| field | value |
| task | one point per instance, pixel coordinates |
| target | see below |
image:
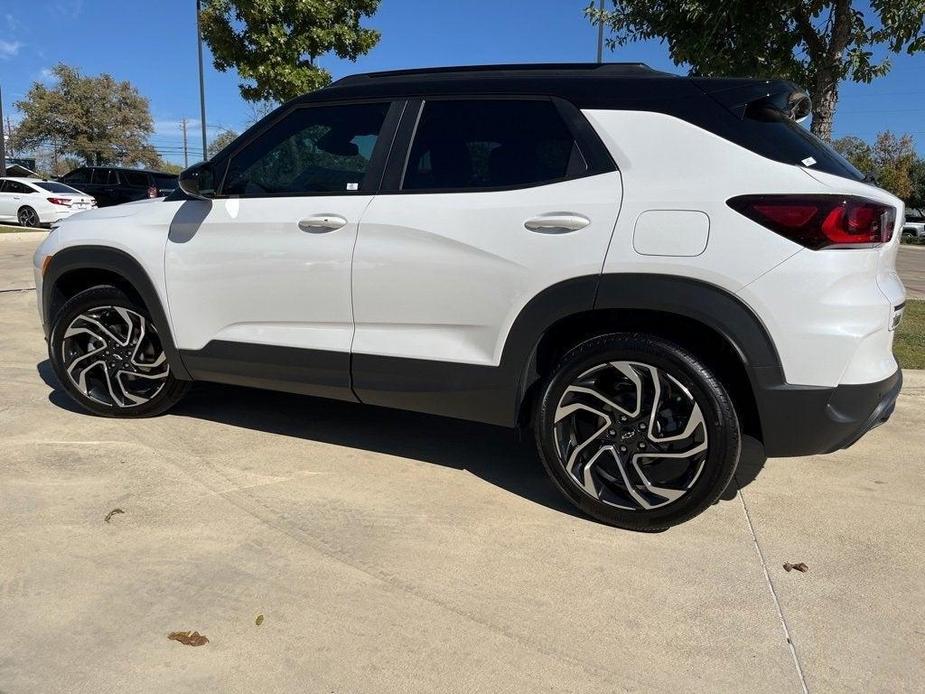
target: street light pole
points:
(2, 140)
(202, 84)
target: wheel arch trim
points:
(713, 307)
(118, 262)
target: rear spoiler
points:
(757, 99)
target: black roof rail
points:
(562, 69)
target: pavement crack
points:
(772, 591)
(17, 289)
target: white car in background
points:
(32, 201)
(914, 224)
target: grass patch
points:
(909, 345)
(10, 229)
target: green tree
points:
(274, 44)
(96, 119)
(168, 167)
(815, 43)
(917, 174)
(220, 141)
(858, 152)
(894, 158)
(891, 160)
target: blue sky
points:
(152, 43)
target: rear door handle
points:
(322, 223)
(558, 223)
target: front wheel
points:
(107, 353)
(637, 432)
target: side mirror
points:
(198, 181)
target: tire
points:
(615, 459)
(107, 356)
(27, 217)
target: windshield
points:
(915, 215)
(165, 182)
(55, 187)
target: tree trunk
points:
(825, 99)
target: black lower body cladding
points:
(806, 420)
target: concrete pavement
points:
(391, 551)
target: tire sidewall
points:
(724, 438)
(105, 296)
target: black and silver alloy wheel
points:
(113, 356)
(636, 431)
(108, 355)
(27, 217)
(630, 435)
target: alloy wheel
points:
(113, 356)
(630, 435)
(28, 217)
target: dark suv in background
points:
(112, 185)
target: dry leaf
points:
(801, 567)
(112, 513)
(188, 638)
(259, 619)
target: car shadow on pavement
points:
(491, 453)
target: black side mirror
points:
(198, 181)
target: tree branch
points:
(814, 43)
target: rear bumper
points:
(806, 420)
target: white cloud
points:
(9, 49)
(69, 8)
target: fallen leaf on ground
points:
(188, 638)
(259, 619)
(801, 567)
(112, 513)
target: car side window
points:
(318, 149)
(17, 187)
(78, 176)
(485, 144)
(138, 179)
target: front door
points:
(258, 279)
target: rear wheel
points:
(637, 432)
(108, 355)
(27, 217)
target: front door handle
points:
(558, 223)
(322, 223)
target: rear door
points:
(8, 205)
(487, 202)
(14, 195)
(134, 186)
(81, 179)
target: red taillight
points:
(820, 221)
(60, 201)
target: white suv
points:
(640, 267)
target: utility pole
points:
(185, 148)
(600, 36)
(2, 141)
(202, 84)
